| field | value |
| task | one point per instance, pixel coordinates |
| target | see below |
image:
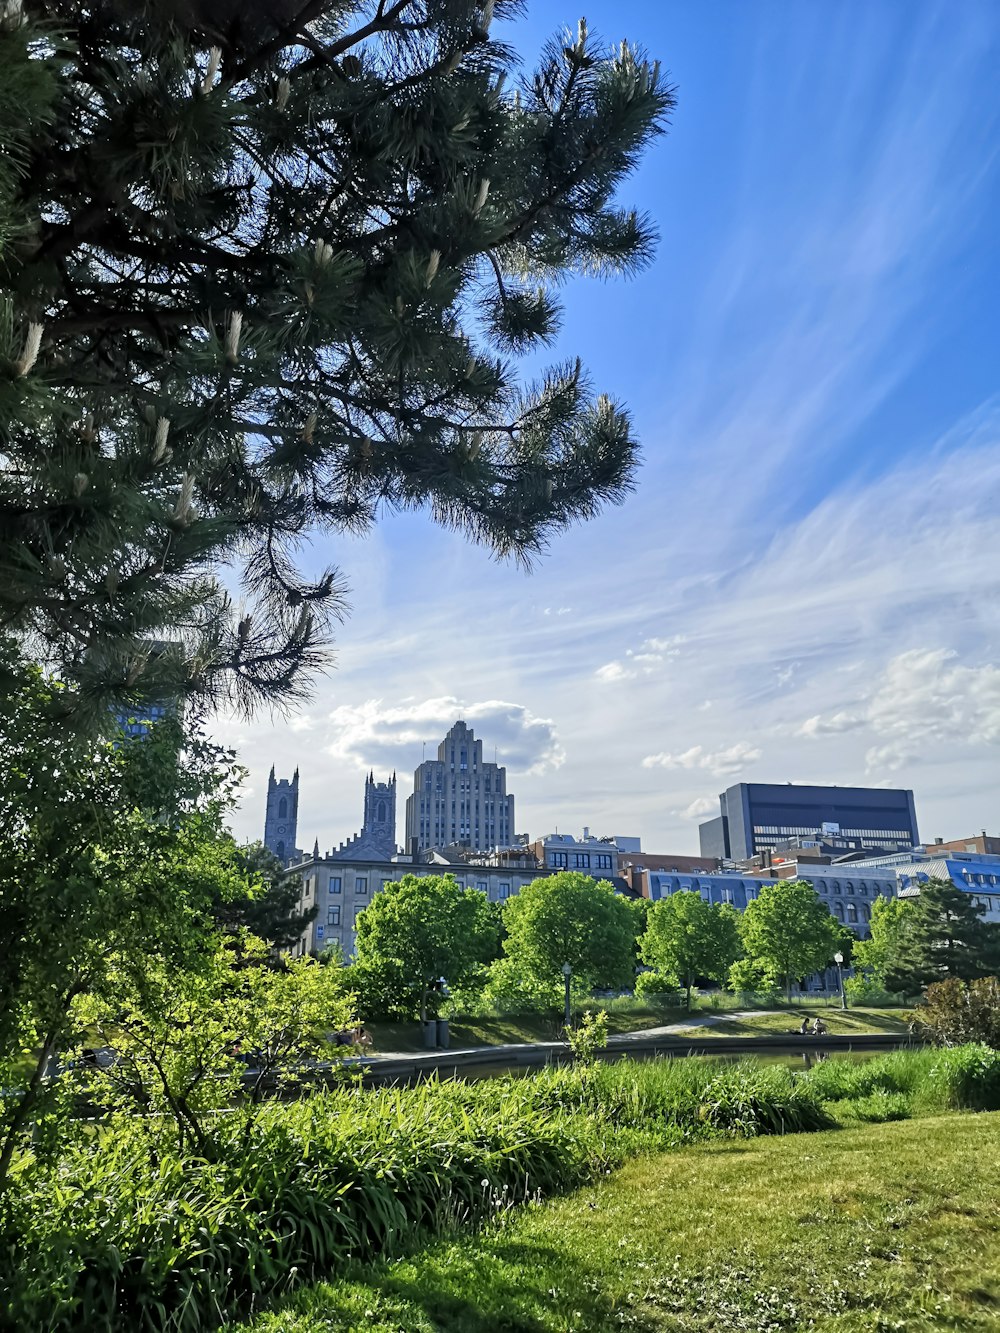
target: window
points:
(361, 884)
(852, 912)
(835, 885)
(604, 862)
(334, 884)
(504, 890)
(838, 911)
(283, 808)
(482, 885)
(558, 859)
(850, 886)
(333, 916)
(582, 860)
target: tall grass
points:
(125, 1236)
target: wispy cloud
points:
(720, 762)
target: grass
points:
(877, 1229)
(845, 1021)
(631, 1015)
(499, 1030)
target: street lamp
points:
(567, 972)
(838, 958)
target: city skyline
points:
(804, 585)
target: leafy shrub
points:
(590, 1037)
(657, 986)
(954, 1012)
(877, 1107)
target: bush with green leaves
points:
(660, 986)
(954, 1012)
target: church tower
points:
(281, 818)
(379, 827)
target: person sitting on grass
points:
(818, 1027)
(805, 1027)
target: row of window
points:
(581, 860)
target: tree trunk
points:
(26, 1105)
(689, 992)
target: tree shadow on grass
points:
(497, 1286)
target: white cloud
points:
(373, 734)
(720, 762)
(644, 661)
(699, 808)
(887, 758)
(922, 699)
(927, 695)
(829, 726)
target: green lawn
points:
(888, 1228)
(790, 1019)
(628, 1015)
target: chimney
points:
(938, 841)
(586, 833)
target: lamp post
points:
(567, 972)
(838, 958)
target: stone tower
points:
(281, 818)
(380, 813)
(377, 839)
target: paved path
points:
(691, 1024)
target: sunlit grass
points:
(880, 1228)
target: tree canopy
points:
(266, 270)
(569, 918)
(108, 852)
(688, 938)
(788, 931)
(944, 936)
(420, 929)
(871, 957)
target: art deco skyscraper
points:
(457, 798)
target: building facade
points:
(974, 873)
(458, 800)
(562, 851)
(343, 889)
(755, 816)
(281, 816)
(847, 895)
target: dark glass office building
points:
(754, 816)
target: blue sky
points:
(805, 585)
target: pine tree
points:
(944, 936)
(265, 270)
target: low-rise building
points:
(562, 851)
(847, 895)
(973, 873)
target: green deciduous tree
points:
(190, 1042)
(416, 931)
(788, 932)
(106, 851)
(871, 956)
(265, 269)
(944, 936)
(570, 918)
(689, 938)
